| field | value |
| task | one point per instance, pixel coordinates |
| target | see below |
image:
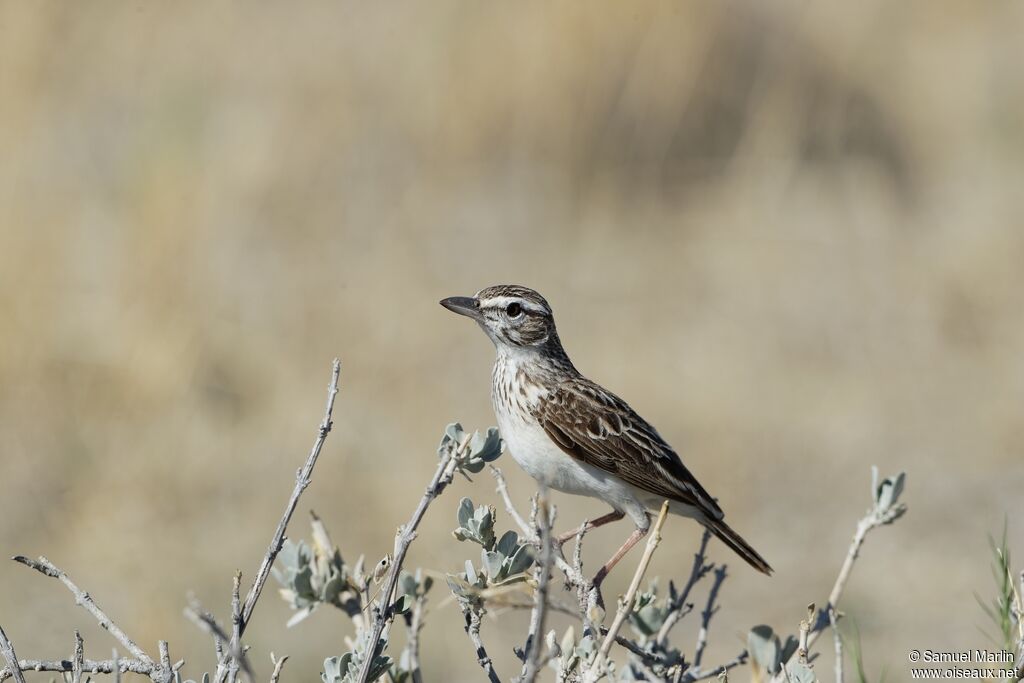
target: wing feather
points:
(595, 426)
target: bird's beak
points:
(463, 305)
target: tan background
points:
(790, 237)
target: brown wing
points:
(597, 427)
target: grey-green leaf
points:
(507, 543)
(801, 673)
(492, 562)
(465, 512)
(521, 561)
(763, 645)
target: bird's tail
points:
(732, 539)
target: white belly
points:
(534, 451)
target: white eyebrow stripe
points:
(503, 301)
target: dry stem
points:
(384, 611)
(11, 657)
(626, 605)
(532, 650)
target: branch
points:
(108, 666)
(384, 611)
(44, 566)
(680, 608)
(278, 663)
(880, 514)
(585, 592)
(209, 624)
(241, 615)
(206, 623)
(301, 482)
(648, 658)
(709, 611)
(79, 660)
(533, 647)
(473, 631)
(502, 489)
(412, 644)
(833, 617)
(11, 657)
(626, 605)
(695, 674)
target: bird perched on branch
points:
(574, 435)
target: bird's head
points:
(513, 317)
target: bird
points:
(573, 435)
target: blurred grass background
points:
(789, 234)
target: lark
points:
(575, 436)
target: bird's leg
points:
(613, 516)
(633, 539)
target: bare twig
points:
(510, 507)
(705, 617)
(875, 517)
(237, 650)
(117, 667)
(236, 608)
(412, 644)
(837, 639)
(302, 480)
(863, 527)
(534, 637)
(108, 666)
(586, 594)
(574, 576)
(649, 658)
(11, 657)
(207, 623)
(165, 655)
(473, 631)
(626, 605)
(384, 612)
(680, 607)
(278, 663)
(44, 566)
(499, 602)
(696, 674)
(241, 615)
(805, 626)
(77, 663)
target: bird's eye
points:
(513, 310)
